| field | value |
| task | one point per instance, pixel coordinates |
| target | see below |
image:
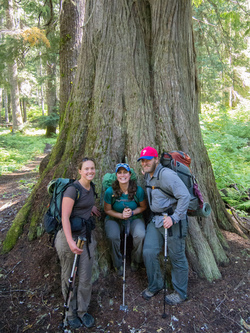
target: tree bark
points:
(136, 85)
(24, 109)
(1, 103)
(40, 91)
(71, 30)
(51, 94)
(17, 120)
(6, 106)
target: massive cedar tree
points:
(136, 85)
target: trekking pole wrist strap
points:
(173, 220)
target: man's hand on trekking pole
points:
(167, 222)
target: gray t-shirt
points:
(84, 204)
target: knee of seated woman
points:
(139, 234)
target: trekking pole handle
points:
(80, 242)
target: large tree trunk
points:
(136, 85)
(71, 30)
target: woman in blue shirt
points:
(124, 202)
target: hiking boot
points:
(134, 266)
(174, 299)
(119, 270)
(146, 294)
(75, 323)
(88, 320)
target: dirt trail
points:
(14, 190)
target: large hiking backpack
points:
(180, 163)
(56, 188)
(107, 181)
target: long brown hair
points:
(132, 188)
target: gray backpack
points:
(179, 162)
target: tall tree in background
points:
(51, 95)
(6, 106)
(1, 103)
(40, 89)
(17, 120)
(71, 30)
(51, 67)
(136, 85)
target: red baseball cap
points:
(148, 153)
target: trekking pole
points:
(123, 306)
(165, 269)
(80, 243)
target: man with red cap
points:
(168, 199)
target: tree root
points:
(239, 220)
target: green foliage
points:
(46, 121)
(196, 3)
(244, 206)
(20, 148)
(220, 30)
(34, 112)
(226, 136)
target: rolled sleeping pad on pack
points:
(205, 211)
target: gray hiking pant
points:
(82, 292)
(153, 245)
(113, 231)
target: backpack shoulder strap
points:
(78, 191)
(113, 199)
(164, 191)
(93, 187)
(136, 200)
(158, 186)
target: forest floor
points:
(31, 300)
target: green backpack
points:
(56, 188)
